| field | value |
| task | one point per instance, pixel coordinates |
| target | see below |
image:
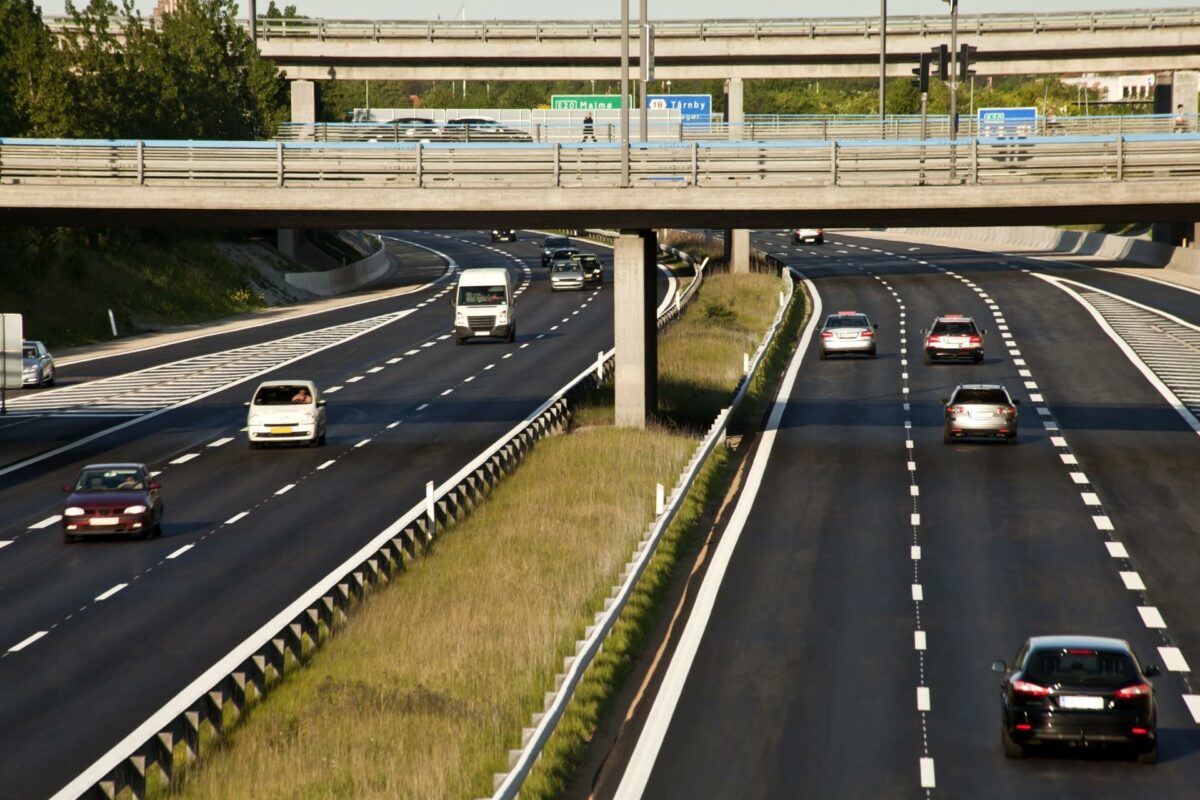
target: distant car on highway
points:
(552, 243)
(593, 270)
(504, 235)
(482, 129)
(37, 365)
(980, 409)
(953, 337)
(1082, 691)
(286, 412)
(484, 305)
(112, 498)
(848, 333)
(566, 275)
(562, 256)
(814, 235)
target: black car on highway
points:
(552, 243)
(1078, 691)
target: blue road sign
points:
(1000, 122)
(694, 109)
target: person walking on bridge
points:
(589, 127)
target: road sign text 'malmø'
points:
(584, 102)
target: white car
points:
(286, 412)
(814, 235)
(37, 365)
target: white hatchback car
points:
(288, 412)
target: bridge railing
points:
(484, 30)
(529, 165)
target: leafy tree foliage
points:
(33, 100)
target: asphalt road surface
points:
(879, 571)
(95, 636)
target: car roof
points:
(1081, 642)
(117, 465)
(297, 382)
(979, 386)
(953, 318)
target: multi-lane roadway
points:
(840, 643)
(95, 636)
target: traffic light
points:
(941, 57)
(966, 54)
(921, 81)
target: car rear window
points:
(992, 397)
(955, 328)
(856, 321)
(1097, 667)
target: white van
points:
(291, 412)
(484, 305)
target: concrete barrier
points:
(349, 278)
(1054, 240)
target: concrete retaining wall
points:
(354, 276)
(1102, 245)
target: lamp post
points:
(624, 93)
(643, 123)
(953, 69)
(882, 63)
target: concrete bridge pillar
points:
(734, 113)
(635, 264)
(288, 241)
(737, 249)
(304, 101)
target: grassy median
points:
(427, 687)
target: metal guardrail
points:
(933, 162)
(761, 127)
(249, 669)
(481, 30)
(508, 785)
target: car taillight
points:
(1024, 726)
(826, 334)
(866, 334)
(1138, 731)
(933, 339)
(1130, 692)
(975, 340)
(1007, 410)
(1030, 689)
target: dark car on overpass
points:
(1081, 691)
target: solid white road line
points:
(185, 458)
(21, 645)
(181, 551)
(46, 523)
(1152, 617)
(641, 762)
(110, 592)
(224, 440)
(241, 515)
(1173, 659)
(927, 779)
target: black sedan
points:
(113, 498)
(1078, 691)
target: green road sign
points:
(585, 102)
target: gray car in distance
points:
(980, 409)
(37, 365)
(848, 333)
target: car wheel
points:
(50, 378)
(512, 335)
(819, 240)
(871, 354)
(977, 358)
(1011, 748)
(928, 358)
(946, 437)
(1012, 439)
(69, 538)
(824, 356)
(1148, 756)
(157, 532)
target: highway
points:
(97, 635)
(840, 643)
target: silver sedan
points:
(848, 332)
(37, 365)
(980, 409)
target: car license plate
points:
(482, 333)
(104, 520)
(845, 335)
(981, 415)
(281, 429)
(1081, 702)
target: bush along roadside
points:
(418, 694)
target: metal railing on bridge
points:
(940, 162)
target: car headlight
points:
(138, 509)
(501, 317)
(460, 318)
(309, 417)
(254, 419)
(73, 511)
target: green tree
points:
(288, 12)
(33, 98)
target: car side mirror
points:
(155, 486)
(999, 666)
(321, 402)
(66, 487)
(1150, 671)
(246, 404)
(875, 326)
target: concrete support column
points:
(737, 249)
(288, 241)
(635, 259)
(304, 101)
(734, 113)
(1184, 89)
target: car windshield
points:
(1098, 667)
(125, 479)
(282, 395)
(481, 295)
(564, 253)
(955, 328)
(591, 262)
(29, 352)
(854, 321)
(556, 242)
(990, 397)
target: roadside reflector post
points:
(112, 321)
(745, 362)
(430, 508)
(659, 500)
(599, 366)
(782, 299)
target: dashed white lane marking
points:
(553, 327)
(489, 366)
(923, 698)
(224, 440)
(468, 380)
(446, 392)
(918, 593)
(328, 464)
(912, 466)
(333, 389)
(915, 552)
(522, 347)
(355, 379)
(21, 645)
(1102, 523)
(1089, 499)
(243, 514)
(443, 337)
(915, 519)
(1079, 477)
(914, 491)
(1173, 659)
(5, 543)
(1133, 581)
(411, 352)
(507, 355)
(286, 489)
(423, 406)
(180, 551)
(1067, 458)
(185, 458)
(362, 443)
(927, 777)
(1193, 705)
(110, 592)
(1117, 550)
(395, 360)
(1152, 617)
(918, 639)
(46, 523)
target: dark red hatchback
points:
(113, 498)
